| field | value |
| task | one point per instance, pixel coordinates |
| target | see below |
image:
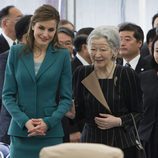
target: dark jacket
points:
(4, 115)
(4, 46)
(123, 95)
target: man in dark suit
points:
(8, 18)
(21, 28)
(132, 38)
(4, 115)
(82, 56)
(80, 43)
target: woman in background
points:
(148, 128)
(34, 72)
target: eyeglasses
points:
(66, 43)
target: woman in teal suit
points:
(34, 74)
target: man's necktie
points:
(127, 65)
(14, 43)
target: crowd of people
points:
(60, 85)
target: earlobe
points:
(140, 44)
(84, 46)
(4, 22)
(115, 54)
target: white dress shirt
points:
(133, 62)
(82, 60)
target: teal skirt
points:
(30, 147)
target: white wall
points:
(93, 13)
(109, 12)
(27, 6)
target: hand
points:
(107, 121)
(71, 114)
(38, 128)
(75, 137)
(30, 125)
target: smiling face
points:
(44, 32)
(101, 53)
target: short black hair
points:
(84, 31)
(5, 12)
(21, 27)
(153, 19)
(79, 41)
(151, 34)
(138, 32)
(66, 31)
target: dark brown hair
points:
(43, 13)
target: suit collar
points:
(82, 60)
(4, 43)
(47, 62)
(8, 39)
(133, 62)
(29, 63)
(92, 84)
(141, 65)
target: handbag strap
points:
(135, 128)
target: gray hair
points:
(110, 33)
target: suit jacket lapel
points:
(92, 84)
(140, 65)
(4, 43)
(29, 63)
(47, 62)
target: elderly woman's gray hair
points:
(110, 33)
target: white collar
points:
(82, 60)
(8, 39)
(133, 62)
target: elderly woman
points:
(107, 95)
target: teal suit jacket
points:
(26, 95)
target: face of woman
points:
(101, 53)
(44, 32)
(156, 51)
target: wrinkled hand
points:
(36, 127)
(107, 121)
(75, 137)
